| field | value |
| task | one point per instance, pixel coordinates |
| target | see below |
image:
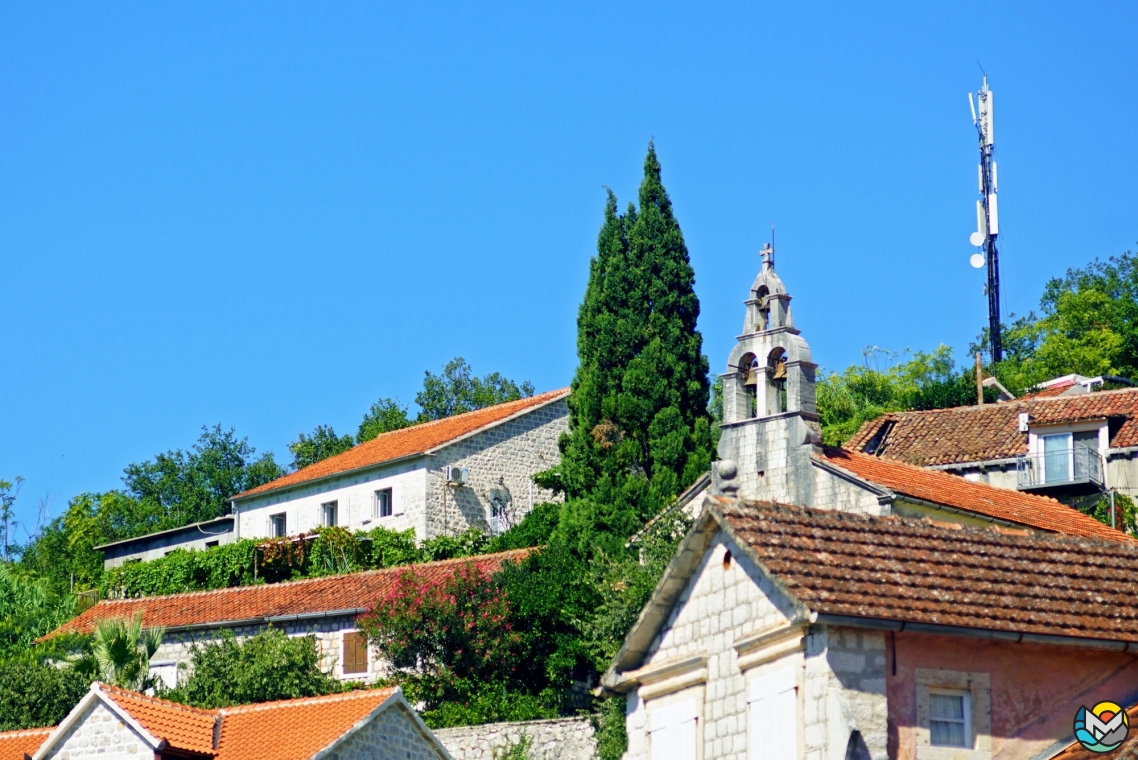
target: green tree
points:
(385, 415)
(457, 389)
(9, 490)
(639, 430)
(120, 653)
(37, 694)
(323, 443)
(262, 668)
(28, 609)
(196, 485)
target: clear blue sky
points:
(268, 215)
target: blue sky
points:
(269, 214)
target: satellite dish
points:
(976, 239)
(977, 261)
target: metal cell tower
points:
(987, 212)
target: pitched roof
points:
(991, 431)
(291, 729)
(181, 726)
(954, 491)
(417, 439)
(888, 571)
(16, 745)
(294, 728)
(339, 593)
(905, 570)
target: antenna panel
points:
(993, 215)
(980, 177)
(995, 185)
(991, 112)
(972, 105)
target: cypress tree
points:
(638, 426)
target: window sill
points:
(952, 753)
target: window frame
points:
(283, 517)
(390, 498)
(664, 719)
(978, 686)
(966, 712)
(333, 508)
(359, 637)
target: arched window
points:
(764, 320)
(776, 379)
(751, 374)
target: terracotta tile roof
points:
(295, 728)
(980, 433)
(894, 569)
(1051, 391)
(315, 595)
(954, 491)
(16, 745)
(417, 439)
(183, 727)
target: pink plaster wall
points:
(1036, 688)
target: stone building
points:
(787, 633)
(771, 444)
(1068, 441)
(438, 478)
(115, 724)
(323, 607)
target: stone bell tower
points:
(770, 422)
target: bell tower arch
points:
(770, 419)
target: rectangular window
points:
(166, 673)
(772, 717)
(355, 652)
(278, 526)
(211, 544)
(950, 719)
(1057, 458)
(383, 506)
(672, 732)
(330, 509)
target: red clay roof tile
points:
(295, 728)
(954, 491)
(889, 568)
(229, 605)
(183, 727)
(984, 433)
(16, 745)
(417, 439)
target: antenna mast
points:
(987, 212)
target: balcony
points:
(1064, 472)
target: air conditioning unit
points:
(458, 476)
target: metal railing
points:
(1081, 464)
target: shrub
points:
(262, 668)
(34, 694)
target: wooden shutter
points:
(772, 716)
(355, 652)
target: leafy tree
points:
(323, 443)
(195, 485)
(37, 694)
(457, 389)
(385, 415)
(9, 490)
(120, 653)
(639, 430)
(28, 609)
(262, 668)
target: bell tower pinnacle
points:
(770, 420)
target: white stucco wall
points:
(504, 457)
(840, 678)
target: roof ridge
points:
(318, 579)
(111, 690)
(18, 732)
(342, 696)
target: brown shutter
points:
(355, 652)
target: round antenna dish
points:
(976, 239)
(977, 261)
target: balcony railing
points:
(1080, 466)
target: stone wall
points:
(845, 691)
(562, 739)
(100, 733)
(501, 461)
(177, 646)
(394, 733)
